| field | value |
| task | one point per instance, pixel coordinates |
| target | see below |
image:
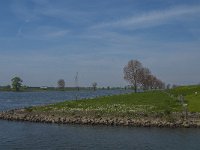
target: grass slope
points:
(146, 103)
(185, 90)
(191, 98)
(193, 103)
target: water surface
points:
(24, 135)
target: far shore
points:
(49, 89)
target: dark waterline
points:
(25, 135)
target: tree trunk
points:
(135, 87)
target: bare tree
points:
(160, 84)
(168, 86)
(155, 83)
(139, 76)
(174, 86)
(61, 84)
(132, 72)
(94, 85)
(144, 78)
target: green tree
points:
(16, 83)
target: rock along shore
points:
(23, 115)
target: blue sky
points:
(45, 40)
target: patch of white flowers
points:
(123, 108)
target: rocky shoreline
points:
(193, 120)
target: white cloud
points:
(42, 8)
(20, 10)
(42, 32)
(152, 18)
(57, 34)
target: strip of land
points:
(148, 109)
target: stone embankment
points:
(23, 115)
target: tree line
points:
(17, 85)
(134, 72)
(139, 76)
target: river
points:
(26, 135)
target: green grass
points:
(188, 92)
(193, 102)
(185, 90)
(119, 105)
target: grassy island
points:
(153, 108)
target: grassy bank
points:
(185, 90)
(192, 99)
(129, 105)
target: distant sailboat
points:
(76, 85)
(76, 81)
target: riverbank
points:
(175, 120)
(148, 109)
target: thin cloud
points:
(44, 8)
(57, 34)
(43, 32)
(152, 18)
(20, 10)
